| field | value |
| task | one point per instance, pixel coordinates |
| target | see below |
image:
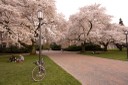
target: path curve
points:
(91, 70)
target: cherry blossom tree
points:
(104, 36)
(87, 20)
(109, 34)
(62, 26)
(118, 35)
(19, 19)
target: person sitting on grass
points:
(20, 59)
(12, 58)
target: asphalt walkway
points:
(91, 70)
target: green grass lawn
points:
(111, 54)
(12, 73)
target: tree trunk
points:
(33, 48)
(83, 47)
(105, 47)
(119, 46)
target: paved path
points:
(92, 70)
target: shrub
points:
(54, 46)
(73, 48)
(92, 47)
(14, 49)
(88, 47)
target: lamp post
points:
(126, 33)
(40, 17)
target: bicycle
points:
(38, 72)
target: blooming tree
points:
(118, 35)
(88, 20)
(62, 26)
(19, 19)
(104, 36)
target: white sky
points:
(116, 8)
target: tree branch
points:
(90, 27)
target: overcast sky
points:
(116, 8)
